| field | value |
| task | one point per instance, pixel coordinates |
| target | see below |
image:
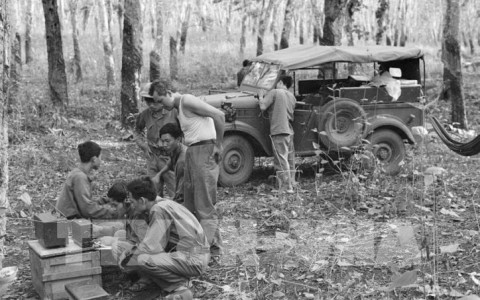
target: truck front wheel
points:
(237, 163)
(389, 149)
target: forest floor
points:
(349, 235)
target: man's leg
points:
(171, 270)
(154, 165)
(204, 172)
(280, 144)
(291, 158)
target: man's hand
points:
(122, 258)
(156, 179)
(145, 149)
(121, 209)
(217, 153)
(261, 94)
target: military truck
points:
(341, 100)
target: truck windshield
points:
(261, 75)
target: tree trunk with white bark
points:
(5, 38)
(107, 46)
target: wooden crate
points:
(52, 269)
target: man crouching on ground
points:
(174, 249)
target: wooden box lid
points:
(85, 290)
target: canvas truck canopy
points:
(308, 56)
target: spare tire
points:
(342, 123)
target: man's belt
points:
(205, 142)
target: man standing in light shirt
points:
(203, 127)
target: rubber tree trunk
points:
(244, 29)
(287, 25)
(16, 58)
(77, 59)
(61, 13)
(131, 61)
(57, 78)
(401, 24)
(452, 67)
(274, 28)
(119, 10)
(201, 5)
(156, 52)
(332, 28)
(109, 7)
(262, 25)
(5, 38)
(228, 26)
(184, 31)
(318, 22)
(97, 22)
(173, 58)
(107, 46)
(28, 32)
(86, 15)
(352, 7)
(301, 38)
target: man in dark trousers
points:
(203, 127)
(280, 104)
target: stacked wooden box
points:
(52, 269)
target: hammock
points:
(465, 149)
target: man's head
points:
(89, 152)
(149, 100)
(161, 91)
(118, 192)
(170, 137)
(142, 191)
(286, 80)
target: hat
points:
(144, 90)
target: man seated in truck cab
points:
(384, 78)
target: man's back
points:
(66, 202)
(75, 199)
(195, 128)
(171, 223)
(281, 111)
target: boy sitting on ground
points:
(75, 200)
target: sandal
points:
(141, 285)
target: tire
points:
(389, 149)
(237, 161)
(344, 122)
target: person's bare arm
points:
(264, 101)
(201, 108)
(139, 137)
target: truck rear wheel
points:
(389, 149)
(237, 163)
